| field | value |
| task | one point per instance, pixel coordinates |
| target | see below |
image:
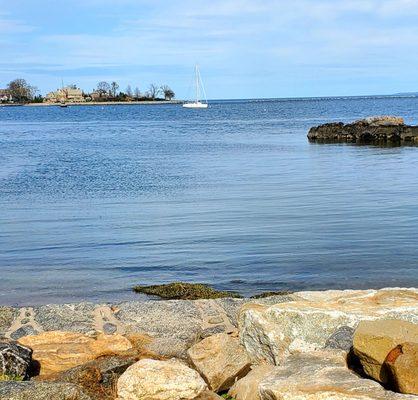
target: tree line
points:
(20, 91)
(154, 92)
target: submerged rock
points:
(160, 380)
(15, 360)
(184, 291)
(379, 344)
(220, 359)
(271, 333)
(386, 129)
(58, 351)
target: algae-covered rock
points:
(184, 291)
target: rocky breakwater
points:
(337, 345)
(377, 130)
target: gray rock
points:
(231, 308)
(341, 339)
(174, 325)
(213, 330)
(25, 321)
(41, 391)
(109, 328)
(7, 315)
(15, 359)
(23, 331)
(66, 317)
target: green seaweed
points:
(184, 291)
(7, 377)
(270, 294)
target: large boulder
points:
(208, 395)
(305, 324)
(57, 351)
(247, 387)
(220, 359)
(15, 359)
(402, 363)
(321, 375)
(41, 391)
(7, 315)
(98, 378)
(160, 380)
(374, 340)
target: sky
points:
(245, 48)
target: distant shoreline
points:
(97, 103)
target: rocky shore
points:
(375, 130)
(305, 345)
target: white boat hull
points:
(195, 105)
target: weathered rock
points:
(160, 380)
(247, 387)
(7, 315)
(402, 363)
(98, 378)
(220, 359)
(271, 333)
(383, 120)
(57, 351)
(369, 130)
(208, 395)
(23, 331)
(66, 317)
(374, 340)
(15, 359)
(174, 325)
(341, 339)
(41, 391)
(321, 375)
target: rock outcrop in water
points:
(373, 130)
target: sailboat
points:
(199, 89)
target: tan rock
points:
(374, 340)
(160, 380)
(220, 359)
(321, 375)
(247, 388)
(270, 333)
(402, 363)
(208, 395)
(57, 351)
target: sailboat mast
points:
(197, 83)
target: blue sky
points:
(245, 48)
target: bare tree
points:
(153, 91)
(167, 92)
(129, 91)
(137, 93)
(20, 90)
(114, 88)
(103, 88)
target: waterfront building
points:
(69, 94)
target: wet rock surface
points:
(378, 130)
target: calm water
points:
(96, 199)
